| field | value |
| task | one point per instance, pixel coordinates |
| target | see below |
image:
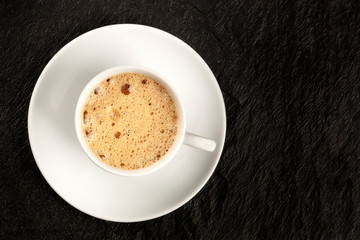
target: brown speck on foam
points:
(125, 89)
(85, 116)
(96, 91)
(88, 133)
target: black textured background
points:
(290, 75)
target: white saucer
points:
(64, 164)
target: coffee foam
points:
(129, 121)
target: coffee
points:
(129, 121)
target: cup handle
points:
(193, 140)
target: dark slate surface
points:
(290, 75)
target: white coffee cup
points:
(182, 137)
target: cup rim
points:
(170, 89)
